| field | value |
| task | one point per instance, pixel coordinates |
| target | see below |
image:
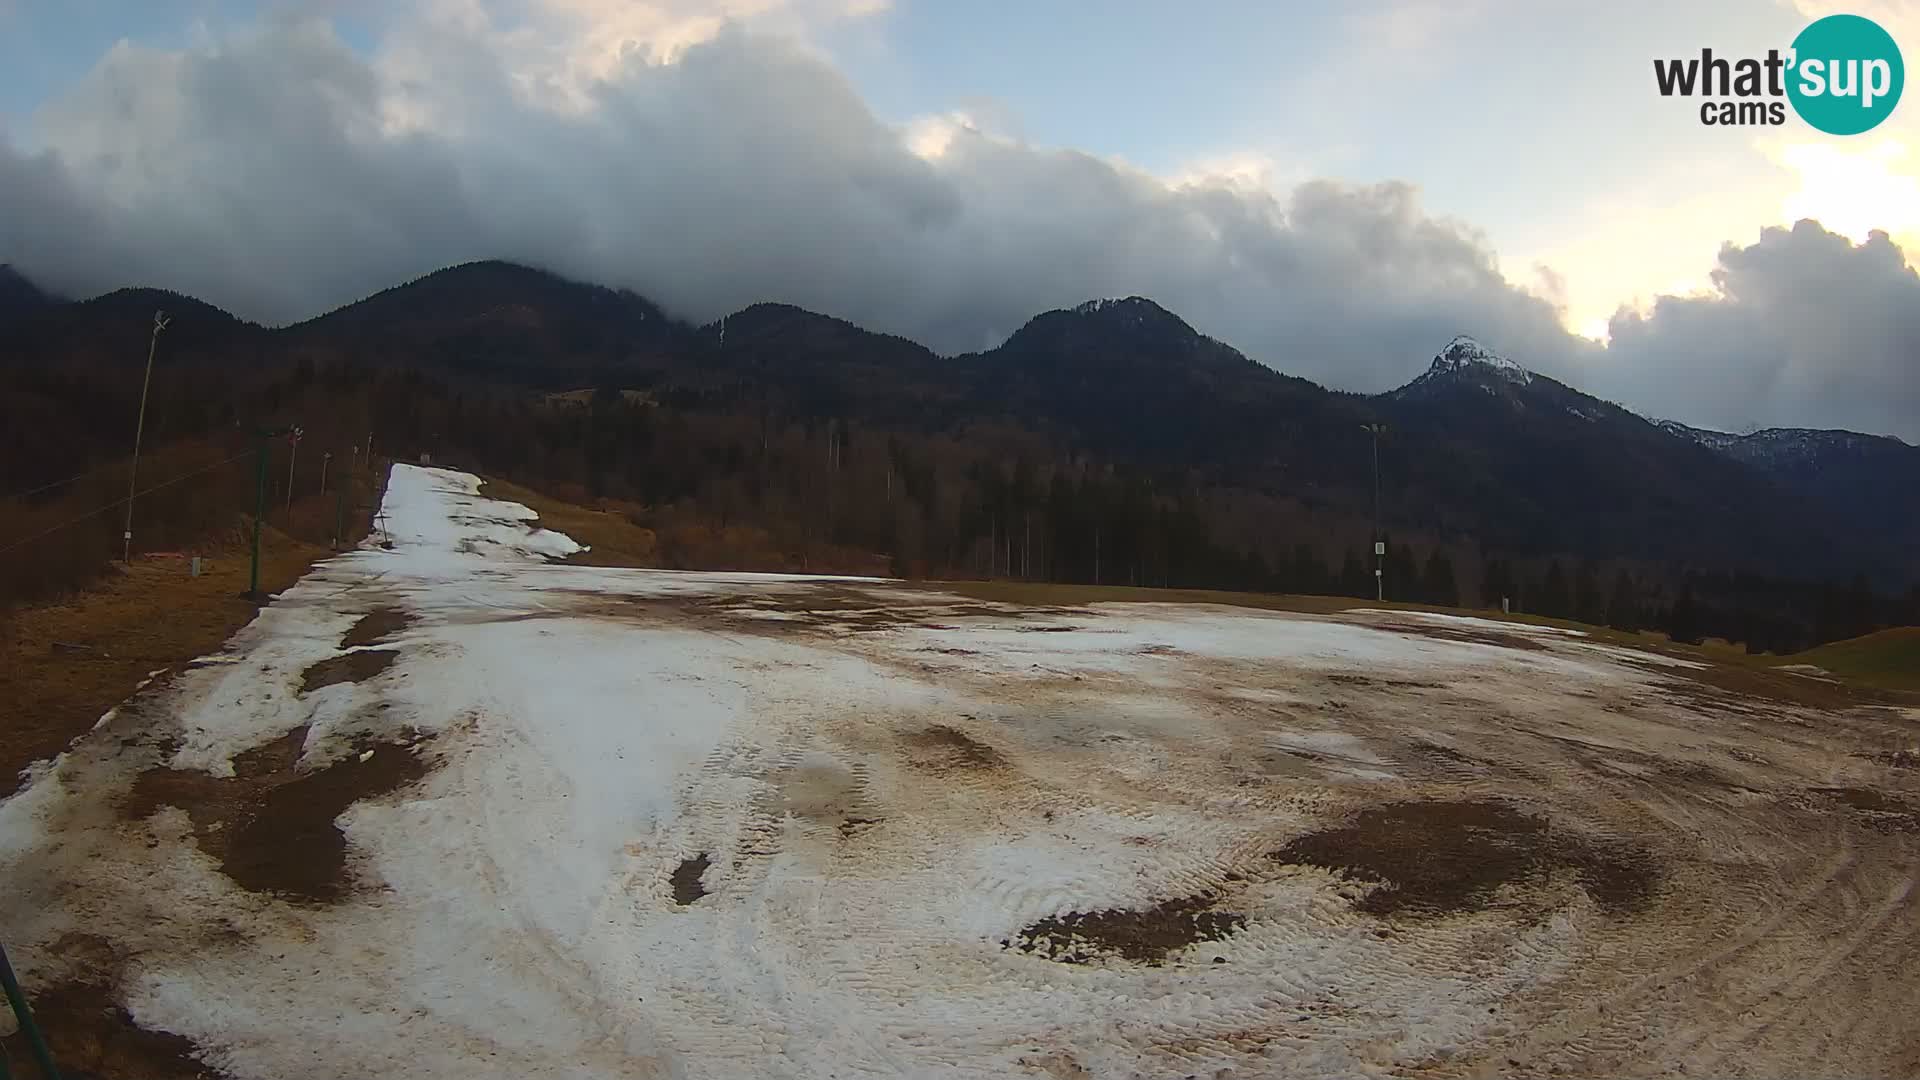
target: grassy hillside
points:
(66, 660)
(1889, 658)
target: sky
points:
(1336, 190)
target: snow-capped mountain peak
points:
(1464, 354)
(1466, 362)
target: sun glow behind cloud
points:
(1855, 189)
(1856, 186)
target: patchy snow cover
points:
(1463, 354)
(436, 517)
(1466, 360)
(1469, 620)
(746, 825)
(1712, 440)
(1782, 447)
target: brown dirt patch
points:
(948, 747)
(1435, 858)
(1029, 594)
(1370, 681)
(91, 1036)
(350, 667)
(1471, 637)
(853, 826)
(840, 608)
(686, 879)
(1695, 772)
(278, 756)
(1144, 936)
(1446, 756)
(376, 626)
(822, 791)
(270, 826)
(814, 610)
(1878, 810)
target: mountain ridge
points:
(1478, 446)
(1463, 352)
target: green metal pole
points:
(259, 510)
(25, 1015)
(339, 514)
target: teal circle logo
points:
(1846, 74)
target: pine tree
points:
(1586, 596)
(1440, 587)
(1496, 584)
(1860, 608)
(1309, 573)
(1552, 598)
(1355, 579)
(1623, 608)
(1683, 622)
(1403, 580)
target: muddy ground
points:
(706, 826)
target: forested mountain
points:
(1863, 485)
(18, 296)
(498, 321)
(1525, 462)
(1111, 442)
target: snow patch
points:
(1463, 355)
(517, 917)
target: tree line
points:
(734, 480)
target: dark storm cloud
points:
(264, 175)
(1804, 328)
(280, 174)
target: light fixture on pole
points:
(293, 451)
(139, 426)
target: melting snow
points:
(881, 804)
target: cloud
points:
(280, 173)
(267, 172)
(1854, 189)
(1802, 328)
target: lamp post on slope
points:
(1379, 545)
(139, 427)
(260, 438)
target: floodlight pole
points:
(139, 427)
(259, 503)
(1379, 547)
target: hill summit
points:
(1465, 356)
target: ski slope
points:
(590, 822)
